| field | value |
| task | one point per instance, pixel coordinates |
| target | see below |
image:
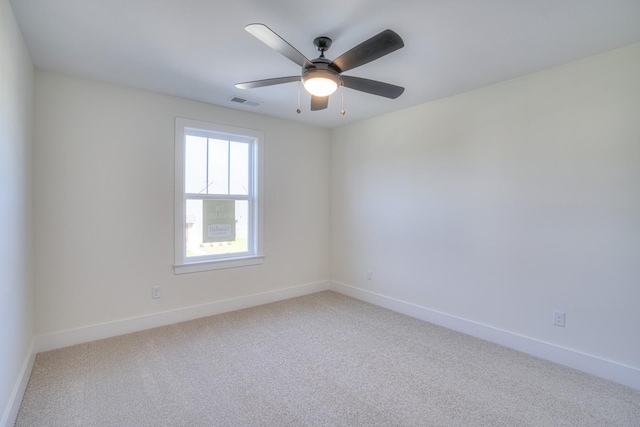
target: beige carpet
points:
(319, 360)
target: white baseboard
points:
(593, 365)
(11, 411)
(125, 326)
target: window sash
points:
(251, 238)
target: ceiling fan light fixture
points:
(320, 82)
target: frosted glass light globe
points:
(319, 82)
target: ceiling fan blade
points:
(274, 41)
(267, 82)
(373, 87)
(374, 48)
(319, 102)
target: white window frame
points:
(255, 255)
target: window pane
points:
(218, 166)
(239, 168)
(206, 236)
(195, 164)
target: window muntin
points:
(218, 202)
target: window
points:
(218, 205)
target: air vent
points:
(244, 101)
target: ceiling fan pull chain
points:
(342, 112)
(299, 110)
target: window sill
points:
(218, 264)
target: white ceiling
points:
(198, 49)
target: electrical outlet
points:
(558, 318)
(155, 292)
(369, 274)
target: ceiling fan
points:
(321, 77)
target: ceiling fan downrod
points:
(322, 44)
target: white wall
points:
(16, 249)
(503, 204)
(104, 204)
